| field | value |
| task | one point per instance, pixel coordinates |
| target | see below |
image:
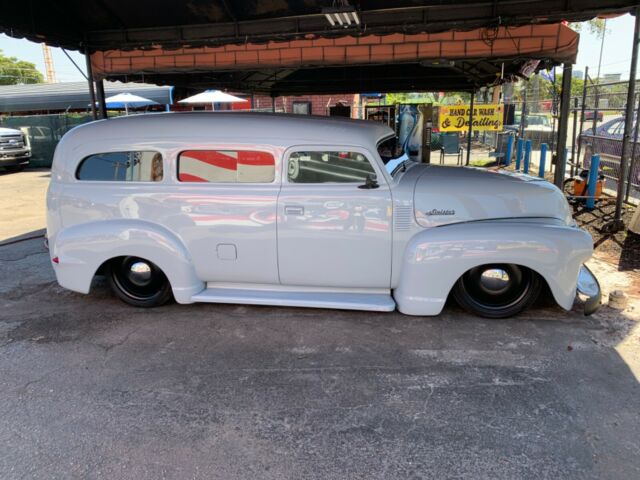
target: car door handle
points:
(293, 210)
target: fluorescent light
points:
(342, 16)
(331, 21)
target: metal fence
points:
(44, 132)
(600, 121)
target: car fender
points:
(81, 249)
(435, 258)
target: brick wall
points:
(319, 103)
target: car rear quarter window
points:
(133, 166)
(226, 166)
(328, 167)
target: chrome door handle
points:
(293, 210)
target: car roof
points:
(282, 130)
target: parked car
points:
(288, 210)
(538, 128)
(588, 115)
(607, 139)
(14, 150)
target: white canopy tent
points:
(212, 97)
(127, 100)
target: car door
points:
(333, 231)
(223, 207)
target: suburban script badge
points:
(436, 211)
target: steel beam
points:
(617, 223)
(563, 124)
(92, 92)
(102, 106)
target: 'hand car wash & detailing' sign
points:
(455, 118)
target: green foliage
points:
(14, 71)
(449, 98)
(596, 26)
(539, 88)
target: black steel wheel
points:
(138, 282)
(497, 290)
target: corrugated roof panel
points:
(71, 95)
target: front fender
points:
(81, 249)
(435, 258)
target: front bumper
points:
(588, 290)
(15, 157)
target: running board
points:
(376, 302)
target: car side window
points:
(132, 166)
(328, 167)
(226, 166)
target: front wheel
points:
(497, 290)
(138, 282)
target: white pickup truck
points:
(14, 149)
(302, 211)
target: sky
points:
(615, 59)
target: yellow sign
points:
(455, 118)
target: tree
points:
(597, 26)
(14, 71)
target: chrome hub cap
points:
(494, 280)
(140, 273)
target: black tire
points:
(148, 287)
(486, 292)
(15, 168)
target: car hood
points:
(9, 131)
(446, 195)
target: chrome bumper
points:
(588, 290)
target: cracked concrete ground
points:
(91, 388)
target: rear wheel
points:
(497, 290)
(138, 282)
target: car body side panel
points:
(435, 258)
(82, 248)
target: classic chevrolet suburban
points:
(14, 150)
(303, 211)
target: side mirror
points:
(370, 182)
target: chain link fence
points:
(600, 129)
(43, 132)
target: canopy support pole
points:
(563, 124)
(102, 106)
(92, 92)
(473, 94)
(617, 224)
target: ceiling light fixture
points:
(344, 15)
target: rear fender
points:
(81, 249)
(435, 258)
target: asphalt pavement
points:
(92, 388)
